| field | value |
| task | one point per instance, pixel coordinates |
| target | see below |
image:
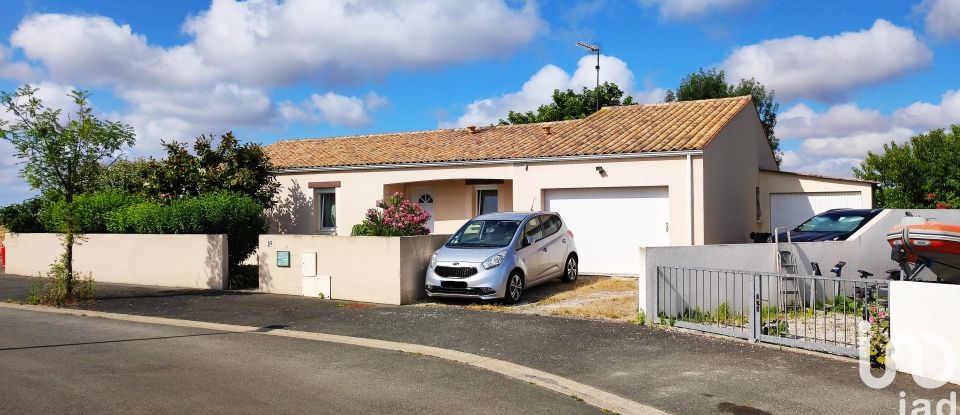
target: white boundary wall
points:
(182, 261)
(925, 329)
(386, 270)
(867, 249)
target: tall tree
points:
(571, 105)
(61, 157)
(212, 166)
(713, 84)
(921, 173)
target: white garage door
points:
(792, 209)
(609, 225)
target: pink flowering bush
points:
(394, 216)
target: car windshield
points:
(485, 234)
(832, 222)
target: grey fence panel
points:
(811, 312)
(715, 301)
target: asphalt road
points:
(64, 364)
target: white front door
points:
(424, 198)
(791, 209)
(610, 225)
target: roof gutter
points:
(658, 154)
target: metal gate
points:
(810, 312)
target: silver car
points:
(499, 255)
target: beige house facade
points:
(698, 172)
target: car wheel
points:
(514, 289)
(570, 270)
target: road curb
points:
(588, 394)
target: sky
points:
(849, 75)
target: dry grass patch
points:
(3, 233)
(616, 308)
(592, 297)
(584, 286)
(488, 307)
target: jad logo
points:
(914, 352)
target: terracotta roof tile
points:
(675, 126)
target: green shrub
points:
(90, 211)
(244, 277)
(23, 217)
(641, 318)
(53, 291)
(665, 319)
(240, 217)
(361, 229)
(776, 329)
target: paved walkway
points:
(673, 371)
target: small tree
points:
(713, 84)
(61, 158)
(923, 173)
(571, 105)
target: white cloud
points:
(95, 50)
(179, 114)
(854, 145)
(802, 121)
(925, 115)
(334, 109)
(942, 17)
(340, 40)
(834, 166)
(538, 90)
(535, 92)
(692, 9)
(829, 67)
(843, 134)
(237, 51)
(14, 70)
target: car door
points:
(553, 245)
(533, 256)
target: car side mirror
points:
(528, 240)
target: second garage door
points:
(609, 225)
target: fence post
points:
(655, 313)
(756, 314)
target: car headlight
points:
(433, 260)
(494, 260)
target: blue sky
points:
(849, 75)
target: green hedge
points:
(23, 217)
(90, 211)
(239, 217)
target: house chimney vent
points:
(546, 129)
(472, 129)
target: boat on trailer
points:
(919, 244)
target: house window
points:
(325, 209)
(486, 201)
